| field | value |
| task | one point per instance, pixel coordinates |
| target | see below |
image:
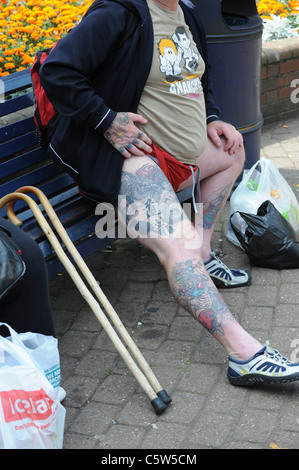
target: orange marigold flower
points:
(9, 66)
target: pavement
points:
(106, 409)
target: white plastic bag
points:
(31, 416)
(43, 350)
(263, 182)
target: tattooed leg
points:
(148, 205)
(218, 172)
(193, 290)
(145, 189)
(212, 206)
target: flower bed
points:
(281, 19)
(29, 25)
(284, 8)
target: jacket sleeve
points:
(212, 110)
(195, 24)
(67, 71)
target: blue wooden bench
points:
(23, 162)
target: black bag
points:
(268, 238)
(12, 266)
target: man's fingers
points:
(145, 138)
(125, 153)
(137, 148)
(234, 143)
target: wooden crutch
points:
(93, 284)
(157, 401)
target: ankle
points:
(206, 254)
(247, 352)
(238, 343)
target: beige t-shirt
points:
(173, 100)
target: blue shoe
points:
(267, 366)
(222, 276)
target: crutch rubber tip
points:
(164, 396)
(159, 405)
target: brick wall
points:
(280, 70)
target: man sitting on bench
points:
(137, 116)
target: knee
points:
(186, 246)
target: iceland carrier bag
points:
(31, 415)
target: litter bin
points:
(234, 34)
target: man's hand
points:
(126, 137)
(234, 139)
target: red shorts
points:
(175, 171)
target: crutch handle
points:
(10, 213)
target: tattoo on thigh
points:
(149, 198)
(212, 206)
(193, 290)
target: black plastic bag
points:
(268, 238)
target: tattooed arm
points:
(126, 137)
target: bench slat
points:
(32, 178)
(16, 104)
(21, 162)
(17, 128)
(18, 144)
(17, 81)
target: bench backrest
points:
(23, 162)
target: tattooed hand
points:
(126, 137)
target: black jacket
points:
(95, 72)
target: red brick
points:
(289, 66)
(264, 73)
(286, 80)
(273, 70)
(271, 96)
(285, 93)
